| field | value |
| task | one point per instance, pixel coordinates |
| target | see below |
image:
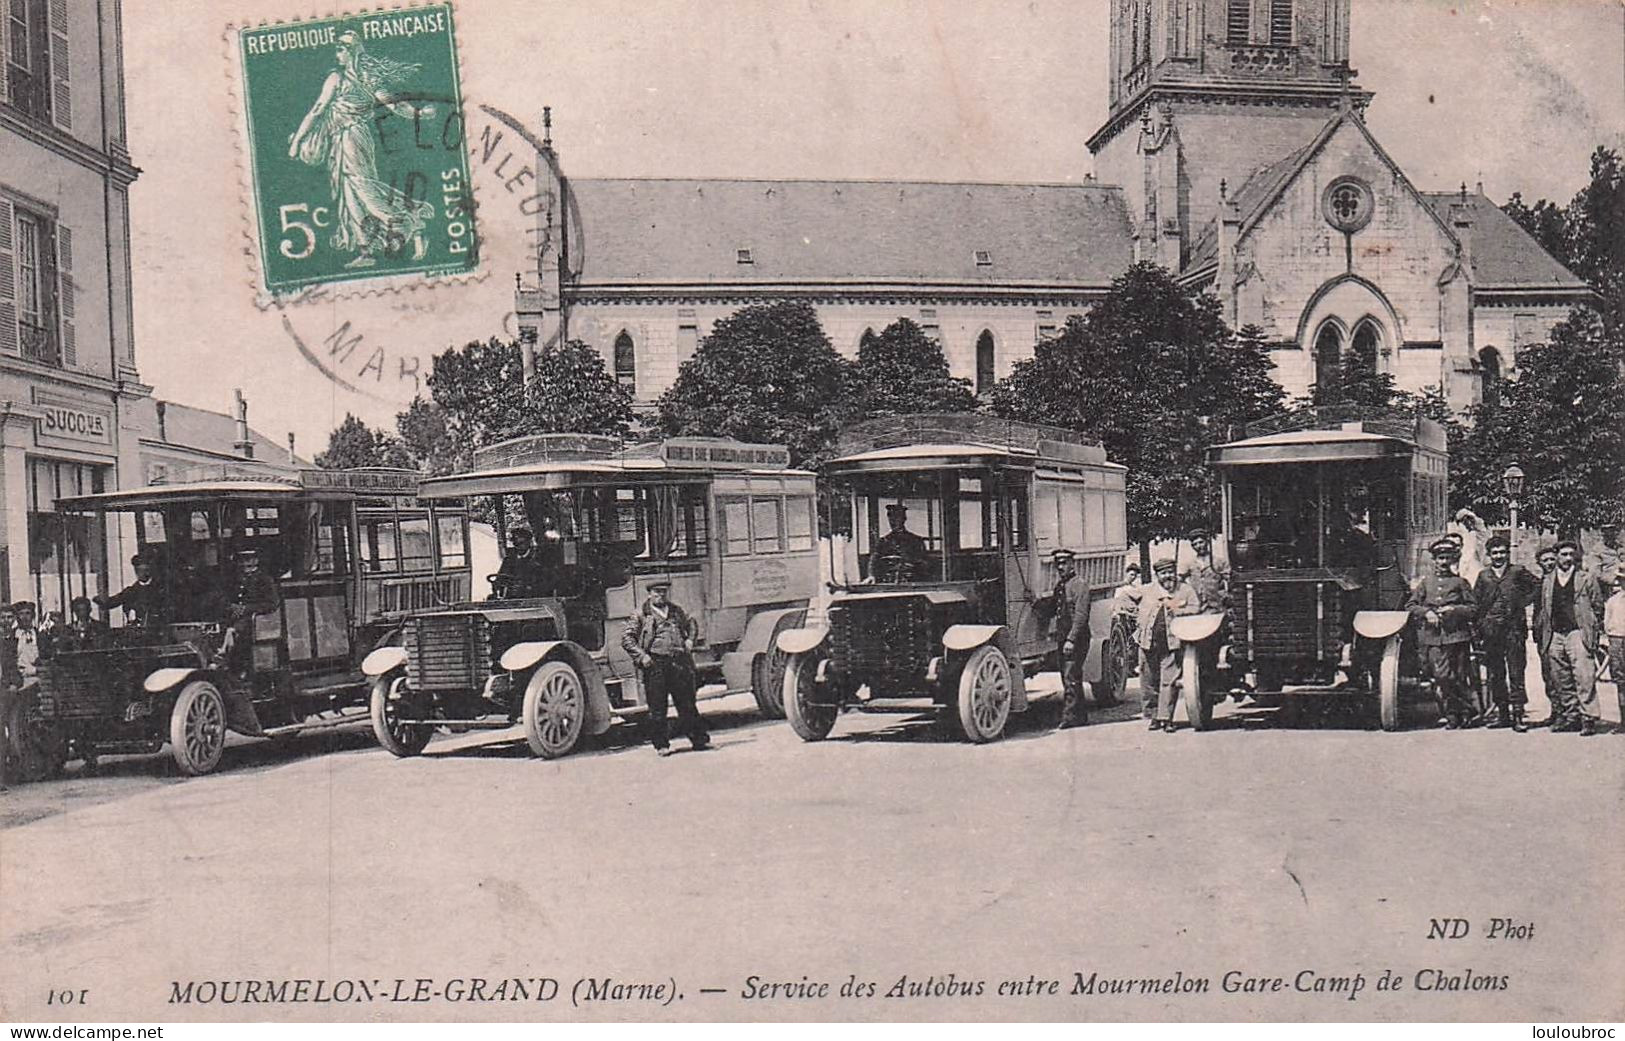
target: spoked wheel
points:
(1197, 707)
(767, 672)
(35, 749)
(810, 720)
(393, 698)
(197, 728)
(984, 694)
(1388, 685)
(555, 710)
(1115, 660)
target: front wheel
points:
(393, 698)
(810, 720)
(984, 694)
(767, 671)
(555, 710)
(197, 728)
(35, 749)
(1388, 685)
(1197, 706)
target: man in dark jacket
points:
(1442, 605)
(255, 593)
(1069, 607)
(1503, 590)
(1571, 602)
(143, 600)
(660, 639)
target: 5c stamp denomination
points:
(357, 151)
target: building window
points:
(1489, 362)
(36, 287)
(986, 370)
(984, 258)
(66, 551)
(743, 256)
(1363, 351)
(28, 57)
(1328, 362)
(1281, 23)
(626, 360)
(1238, 22)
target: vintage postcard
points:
(923, 510)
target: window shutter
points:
(5, 51)
(8, 284)
(61, 100)
(64, 283)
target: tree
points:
(1157, 376)
(354, 443)
(902, 371)
(1588, 235)
(1560, 421)
(478, 397)
(766, 373)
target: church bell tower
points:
(1211, 91)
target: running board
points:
(315, 724)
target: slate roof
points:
(1503, 253)
(690, 231)
(188, 427)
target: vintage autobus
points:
(992, 500)
(350, 551)
(1328, 513)
(732, 526)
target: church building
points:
(1235, 153)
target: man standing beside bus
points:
(660, 639)
(1571, 602)
(1442, 605)
(1502, 591)
(1070, 604)
(1160, 602)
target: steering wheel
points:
(892, 568)
(499, 585)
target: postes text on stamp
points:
(357, 148)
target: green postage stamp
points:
(357, 156)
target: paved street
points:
(1108, 852)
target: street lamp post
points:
(1512, 483)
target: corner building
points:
(1234, 153)
(70, 396)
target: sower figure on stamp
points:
(1571, 602)
(1442, 605)
(1502, 591)
(660, 639)
(1160, 601)
(1070, 624)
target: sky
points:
(1515, 95)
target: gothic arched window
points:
(626, 359)
(1489, 364)
(986, 370)
(1367, 342)
(1328, 363)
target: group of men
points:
(1575, 617)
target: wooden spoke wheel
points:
(767, 671)
(1388, 685)
(1116, 658)
(555, 710)
(392, 698)
(197, 728)
(985, 685)
(811, 720)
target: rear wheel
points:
(767, 671)
(1388, 685)
(555, 710)
(1116, 658)
(984, 694)
(810, 720)
(197, 728)
(392, 698)
(35, 749)
(1197, 706)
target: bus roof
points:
(939, 439)
(543, 462)
(1311, 446)
(226, 482)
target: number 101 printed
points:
(358, 158)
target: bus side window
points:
(799, 522)
(378, 553)
(735, 526)
(417, 551)
(453, 544)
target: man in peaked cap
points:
(1069, 605)
(899, 544)
(1443, 606)
(1160, 602)
(1571, 611)
(143, 600)
(521, 572)
(660, 639)
(1502, 591)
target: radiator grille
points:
(87, 684)
(1282, 619)
(893, 635)
(448, 652)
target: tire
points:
(1116, 656)
(555, 710)
(1388, 685)
(767, 671)
(197, 728)
(811, 721)
(1197, 706)
(398, 739)
(984, 694)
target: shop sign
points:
(73, 424)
